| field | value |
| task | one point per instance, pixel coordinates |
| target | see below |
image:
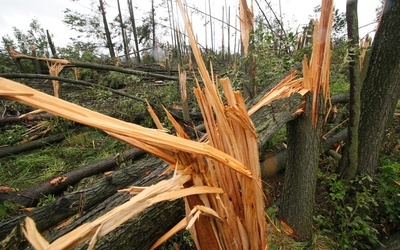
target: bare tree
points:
(110, 45)
(135, 36)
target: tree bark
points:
(79, 202)
(298, 194)
(91, 198)
(51, 44)
(61, 79)
(153, 25)
(35, 117)
(110, 45)
(349, 161)
(381, 88)
(132, 16)
(30, 197)
(274, 163)
(6, 151)
(123, 32)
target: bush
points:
(355, 213)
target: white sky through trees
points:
(49, 13)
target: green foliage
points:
(118, 80)
(388, 192)
(77, 150)
(348, 219)
(7, 209)
(46, 200)
(274, 55)
(10, 135)
(356, 212)
(88, 26)
(34, 39)
(35, 36)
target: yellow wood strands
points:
(246, 24)
(229, 129)
(316, 72)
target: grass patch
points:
(81, 148)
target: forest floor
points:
(84, 145)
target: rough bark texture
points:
(30, 197)
(381, 88)
(270, 118)
(349, 161)
(132, 19)
(90, 202)
(77, 202)
(31, 117)
(110, 45)
(5, 151)
(296, 208)
(273, 164)
(391, 243)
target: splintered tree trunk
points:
(298, 194)
(381, 88)
(110, 45)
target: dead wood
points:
(32, 117)
(30, 197)
(274, 163)
(71, 204)
(11, 150)
(340, 98)
(79, 202)
(61, 79)
(18, 56)
(122, 70)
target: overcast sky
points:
(19, 13)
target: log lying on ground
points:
(62, 79)
(5, 151)
(57, 185)
(275, 163)
(76, 203)
(68, 205)
(18, 56)
(138, 233)
(33, 117)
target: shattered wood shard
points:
(218, 177)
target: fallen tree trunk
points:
(30, 197)
(34, 117)
(61, 79)
(11, 150)
(275, 163)
(68, 205)
(76, 203)
(18, 56)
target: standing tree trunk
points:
(298, 194)
(110, 45)
(153, 23)
(304, 133)
(123, 31)
(381, 88)
(51, 44)
(349, 161)
(211, 27)
(134, 29)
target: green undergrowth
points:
(359, 214)
(78, 149)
